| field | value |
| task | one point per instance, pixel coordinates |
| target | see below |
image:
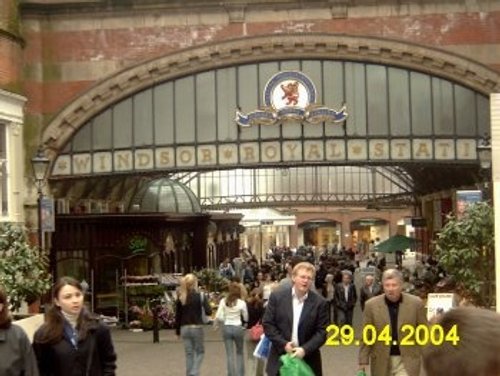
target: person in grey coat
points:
(16, 354)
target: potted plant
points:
(23, 268)
(465, 249)
(211, 280)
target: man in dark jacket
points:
(345, 299)
(295, 321)
(369, 290)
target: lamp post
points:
(40, 164)
(484, 152)
(484, 155)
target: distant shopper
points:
(189, 322)
(255, 307)
(329, 294)
(369, 289)
(226, 269)
(232, 313)
(477, 350)
(72, 338)
(345, 299)
(16, 354)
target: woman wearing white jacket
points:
(232, 310)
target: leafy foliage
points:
(211, 280)
(466, 250)
(23, 269)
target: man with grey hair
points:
(387, 314)
(369, 289)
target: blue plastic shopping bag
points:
(263, 348)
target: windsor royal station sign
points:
(288, 96)
(260, 153)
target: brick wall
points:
(67, 52)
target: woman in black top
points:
(255, 307)
(189, 323)
(72, 342)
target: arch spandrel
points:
(259, 49)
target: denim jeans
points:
(193, 338)
(234, 336)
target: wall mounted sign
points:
(290, 95)
(256, 153)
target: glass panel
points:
(376, 84)
(184, 110)
(248, 94)
(167, 200)
(122, 124)
(420, 94)
(226, 104)
(483, 114)
(205, 107)
(465, 111)
(184, 203)
(164, 113)
(266, 71)
(333, 93)
(149, 202)
(143, 118)
(82, 140)
(291, 129)
(313, 70)
(442, 107)
(101, 132)
(356, 98)
(399, 102)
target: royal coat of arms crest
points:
(290, 95)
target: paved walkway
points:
(138, 355)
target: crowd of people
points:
(293, 297)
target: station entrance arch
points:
(414, 117)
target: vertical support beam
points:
(495, 156)
(199, 256)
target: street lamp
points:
(484, 152)
(484, 155)
(40, 164)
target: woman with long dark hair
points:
(72, 338)
(231, 311)
(16, 354)
(189, 323)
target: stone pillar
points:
(495, 158)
